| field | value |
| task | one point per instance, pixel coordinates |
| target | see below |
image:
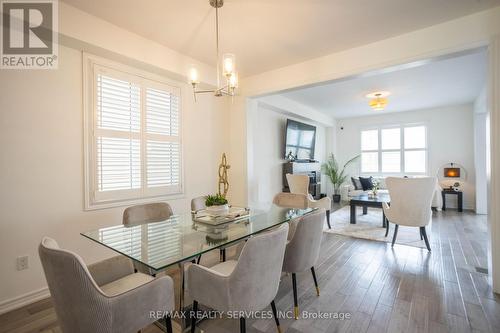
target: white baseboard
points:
(20, 301)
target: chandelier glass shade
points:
(227, 64)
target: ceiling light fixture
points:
(228, 65)
(378, 100)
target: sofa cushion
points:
(367, 183)
(356, 183)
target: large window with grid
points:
(134, 142)
(398, 150)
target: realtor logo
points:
(29, 34)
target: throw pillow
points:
(356, 183)
(367, 183)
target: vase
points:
(336, 198)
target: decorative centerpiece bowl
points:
(218, 209)
(216, 204)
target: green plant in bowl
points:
(215, 200)
(216, 205)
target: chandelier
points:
(378, 100)
(229, 75)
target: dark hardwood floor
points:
(384, 289)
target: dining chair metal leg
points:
(421, 238)
(193, 316)
(198, 260)
(181, 292)
(295, 298)
(275, 314)
(396, 226)
(168, 323)
(424, 233)
(315, 280)
(386, 228)
(242, 325)
(328, 219)
(222, 255)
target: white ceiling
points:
(453, 81)
(268, 34)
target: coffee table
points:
(366, 201)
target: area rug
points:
(369, 226)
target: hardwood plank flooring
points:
(383, 289)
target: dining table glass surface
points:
(159, 245)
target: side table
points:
(460, 198)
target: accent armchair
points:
(291, 200)
(105, 297)
(299, 184)
(294, 201)
(410, 204)
(302, 251)
(248, 284)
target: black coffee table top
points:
(364, 198)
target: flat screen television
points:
(300, 139)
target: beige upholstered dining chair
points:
(198, 204)
(410, 203)
(146, 213)
(248, 284)
(302, 251)
(105, 297)
(299, 184)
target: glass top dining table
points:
(159, 245)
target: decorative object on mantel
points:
(290, 156)
(454, 171)
(223, 180)
(228, 65)
(336, 175)
(378, 100)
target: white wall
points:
(41, 192)
(481, 145)
(450, 139)
(267, 145)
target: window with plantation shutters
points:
(134, 139)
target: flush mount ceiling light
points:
(228, 65)
(378, 100)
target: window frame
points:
(91, 66)
(401, 149)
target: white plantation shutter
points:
(118, 104)
(163, 145)
(118, 164)
(136, 146)
(162, 115)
